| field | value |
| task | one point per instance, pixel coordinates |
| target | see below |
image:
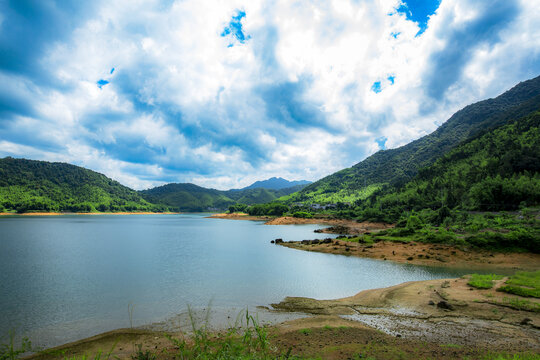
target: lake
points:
(67, 277)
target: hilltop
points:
(31, 185)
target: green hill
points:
(497, 170)
(29, 185)
(190, 197)
(397, 166)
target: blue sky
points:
(224, 93)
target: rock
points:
(278, 241)
(431, 302)
(525, 321)
(272, 242)
(445, 284)
(327, 241)
(314, 242)
(410, 258)
(444, 305)
(305, 242)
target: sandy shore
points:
(97, 213)
(438, 319)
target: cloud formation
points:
(223, 93)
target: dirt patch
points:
(435, 311)
(425, 254)
(337, 226)
(332, 337)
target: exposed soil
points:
(425, 254)
(435, 312)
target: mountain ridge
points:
(401, 164)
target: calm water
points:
(67, 277)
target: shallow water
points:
(67, 277)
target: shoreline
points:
(414, 253)
(429, 313)
(89, 213)
(423, 254)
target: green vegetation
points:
(397, 166)
(523, 284)
(272, 209)
(521, 304)
(190, 197)
(510, 231)
(10, 351)
(248, 340)
(483, 281)
(28, 185)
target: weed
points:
(10, 351)
(245, 340)
(305, 331)
(483, 281)
(143, 355)
(521, 304)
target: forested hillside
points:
(29, 185)
(397, 166)
(496, 171)
(190, 197)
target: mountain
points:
(190, 197)
(397, 166)
(27, 185)
(276, 183)
(497, 170)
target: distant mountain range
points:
(190, 197)
(30, 185)
(276, 183)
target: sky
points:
(222, 93)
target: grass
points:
(521, 304)
(483, 281)
(246, 340)
(10, 351)
(523, 284)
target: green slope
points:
(29, 185)
(190, 197)
(497, 170)
(399, 165)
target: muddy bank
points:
(423, 254)
(435, 311)
(239, 216)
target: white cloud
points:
(183, 106)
